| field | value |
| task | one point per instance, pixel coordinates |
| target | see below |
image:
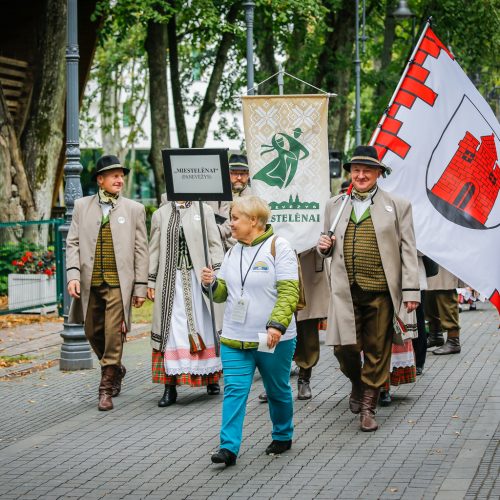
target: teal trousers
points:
(239, 367)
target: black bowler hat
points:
(108, 162)
(238, 162)
(366, 155)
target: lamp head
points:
(403, 11)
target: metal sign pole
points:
(210, 295)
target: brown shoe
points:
(117, 382)
(355, 397)
(367, 422)
(108, 374)
(452, 346)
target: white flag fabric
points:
(441, 140)
(287, 149)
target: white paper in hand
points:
(263, 344)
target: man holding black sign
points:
(240, 177)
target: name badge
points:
(239, 311)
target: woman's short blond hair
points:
(253, 206)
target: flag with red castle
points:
(442, 140)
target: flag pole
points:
(412, 57)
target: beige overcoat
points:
(393, 224)
(130, 242)
(316, 285)
(191, 223)
(443, 280)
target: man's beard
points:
(238, 187)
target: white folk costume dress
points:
(181, 335)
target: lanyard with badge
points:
(241, 306)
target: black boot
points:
(452, 346)
(169, 396)
(435, 339)
(385, 398)
(304, 389)
(213, 389)
(224, 456)
(278, 447)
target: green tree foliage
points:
(314, 40)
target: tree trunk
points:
(156, 48)
(264, 48)
(335, 66)
(42, 139)
(209, 107)
(110, 131)
(180, 121)
(16, 199)
(386, 55)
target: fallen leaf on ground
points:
(455, 416)
(393, 490)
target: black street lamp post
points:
(75, 350)
(249, 12)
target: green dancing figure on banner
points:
(281, 171)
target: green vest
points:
(105, 270)
(362, 257)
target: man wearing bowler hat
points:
(240, 176)
(374, 272)
(107, 270)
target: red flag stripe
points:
(394, 143)
(495, 299)
(420, 90)
(418, 73)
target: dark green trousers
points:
(307, 349)
(441, 311)
(373, 313)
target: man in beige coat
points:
(240, 176)
(374, 273)
(442, 313)
(317, 295)
(107, 270)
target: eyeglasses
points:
(239, 174)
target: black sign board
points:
(197, 174)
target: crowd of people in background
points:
(384, 303)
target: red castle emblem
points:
(468, 188)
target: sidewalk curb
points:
(50, 359)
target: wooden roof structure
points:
(18, 39)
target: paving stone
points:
(61, 446)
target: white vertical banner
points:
(287, 149)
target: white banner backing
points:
(287, 148)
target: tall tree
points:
(156, 47)
(16, 198)
(42, 139)
(175, 77)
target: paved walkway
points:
(439, 439)
(41, 343)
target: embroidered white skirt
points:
(178, 358)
